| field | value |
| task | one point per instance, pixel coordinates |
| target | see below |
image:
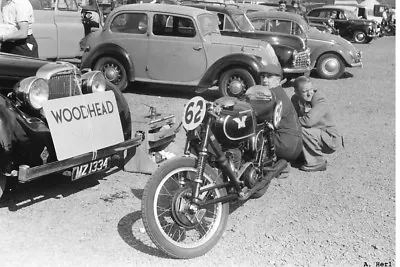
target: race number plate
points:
(90, 168)
(194, 113)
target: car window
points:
(208, 24)
(314, 13)
(320, 13)
(67, 5)
(42, 4)
(225, 23)
(297, 30)
(135, 23)
(243, 22)
(341, 15)
(282, 26)
(178, 26)
(259, 24)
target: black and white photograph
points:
(197, 133)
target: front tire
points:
(330, 66)
(235, 82)
(169, 223)
(3, 183)
(114, 71)
(360, 37)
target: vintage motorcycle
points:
(229, 155)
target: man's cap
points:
(271, 69)
(282, 2)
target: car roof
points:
(343, 7)
(276, 14)
(223, 8)
(185, 10)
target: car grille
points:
(302, 59)
(63, 85)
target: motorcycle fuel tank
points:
(235, 124)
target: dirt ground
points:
(342, 217)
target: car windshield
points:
(243, 22)
(350, 15)
(208, 24)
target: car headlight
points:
(277, 114)
(33, 91)
(93, 82)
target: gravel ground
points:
(342, 217)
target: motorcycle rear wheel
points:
(165, 216)
(3, 182)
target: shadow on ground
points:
(176, 91)
(55, 186)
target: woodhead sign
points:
(83, 123)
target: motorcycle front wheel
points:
(170, 222)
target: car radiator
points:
(301, 59)
(64, 85)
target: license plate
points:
(90, 168)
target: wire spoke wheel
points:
(173, 222)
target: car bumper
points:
(296, 70)
(358, 64)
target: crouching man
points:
(319, 131)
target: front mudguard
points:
(124, 111)
(249, 62)
(333, 49)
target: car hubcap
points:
(236, 85)
(331, 66)
(112, 73)
(360, 37)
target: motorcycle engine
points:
(250, 176)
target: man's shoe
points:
(285, 173)
(315, 168)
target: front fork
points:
(208, 140)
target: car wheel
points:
(360, 37)
(114, 72)
(330, 66)
(235, 82)
(3, 181)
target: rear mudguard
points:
(238, 60)
(109, 50)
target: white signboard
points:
(84, 123)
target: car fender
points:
(331, 48)
(284, 54)
(124, 112)
(246, 61)
(111, 50)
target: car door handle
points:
(197, 48)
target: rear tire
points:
(330, 66)
(165, 214)
(235, 82)
(114, 72)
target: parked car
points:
(346, 22)
(169, 44)
(13, 68)
(56, 119)
(58, 28)
(330, 54)
(292, 52)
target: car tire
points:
(114, 71)
(3, 183)
(235, 82)
(360, 37)
(330, 66)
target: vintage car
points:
(58, 28)
(13, 68)
(292, 52)
(53, 122)
(330, 54)
(179, 45)
(346, 22)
